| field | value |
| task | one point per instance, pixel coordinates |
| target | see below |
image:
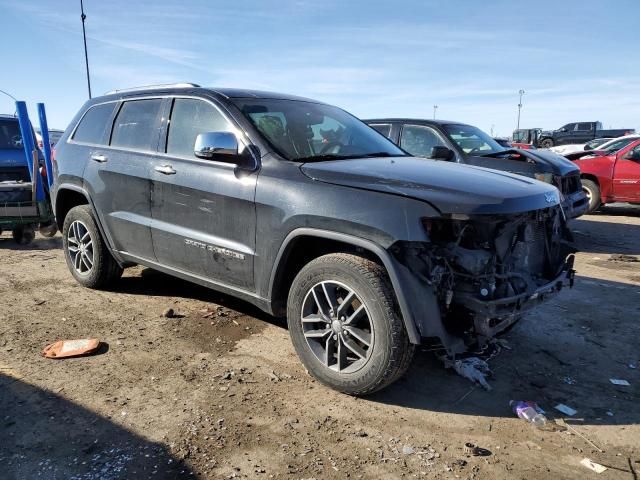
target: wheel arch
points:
(67, 197)
(304, 244)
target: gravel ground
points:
(217, 392)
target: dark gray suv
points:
(301, 209)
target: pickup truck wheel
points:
(87, 256)
(592, 191)
(345, 326)
(23, 235)
(547, 143)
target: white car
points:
(594, 144)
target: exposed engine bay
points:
(487, 270)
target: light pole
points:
(83, 17)
(521, 92)
(435, 107)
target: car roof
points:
(6, 116)
(416, 121)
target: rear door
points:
(204, 220)
(626, 176)
(117, 173)
(583, 132)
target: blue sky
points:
(577, 60)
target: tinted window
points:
(10, 136)
(583, 126)
(136, 125)
(190, 117)
(472, 140)
(92, 125)
(383, 128)
(419, 140)
(617, 145)
(307, 131)
(635, 153)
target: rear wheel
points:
(592, 191)
(345, 326)
(23, 235)
(87, 256)
(547, 143)
(48, 230)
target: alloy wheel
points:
(337, 326)
(80, 247)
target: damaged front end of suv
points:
(485, 271)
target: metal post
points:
(521, 92)
(84, 37)
(29, 148)
(435, 107)
(46, 145)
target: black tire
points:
(592, 191)
(48, 230)
(389, 353)
(547, 143)
(23, 235)
(103, 269)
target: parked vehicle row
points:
(466, 144)
(577, 133)
(303, 210)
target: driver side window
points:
(635, 153)
(418, 140)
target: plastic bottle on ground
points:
(528, 411)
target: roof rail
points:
(153, 87)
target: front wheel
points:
(87, 256)
(345, 326)
(592, 191)
(546, 143)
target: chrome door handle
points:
(166, 169)
(98, 157)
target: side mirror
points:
(440, 152)
(222, 146)
(562, 129)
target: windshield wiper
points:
(323, 157)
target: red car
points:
(611, 178)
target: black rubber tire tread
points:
(547, 143)
(105, 269)
(23, 235)
(594, 203)
(392, 353)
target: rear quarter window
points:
(10, 136)
(383, 128)
(92, 127)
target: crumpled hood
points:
(556, 164)
(449, 187)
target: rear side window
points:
(383, 128)
(10, 136)
(419, 140)
(189, 118)
(136, 125)
(93, 123)
(583, 126)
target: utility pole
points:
(521, 92)
(492, 125)
(435, 107)
(83, 17)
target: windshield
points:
(472, 140)
(615, 145)
(10, 136)
(306, 131)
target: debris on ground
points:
(475, 451)
(591, 465)
(617, 381)
(621, 257)
(529, 411)
(474, 369)
(71, 348)
(561, 407)
(168, 313)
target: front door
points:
(117, 173)
(626, 177)
(203, 211)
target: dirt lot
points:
(219, 392)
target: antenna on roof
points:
(154, 87)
